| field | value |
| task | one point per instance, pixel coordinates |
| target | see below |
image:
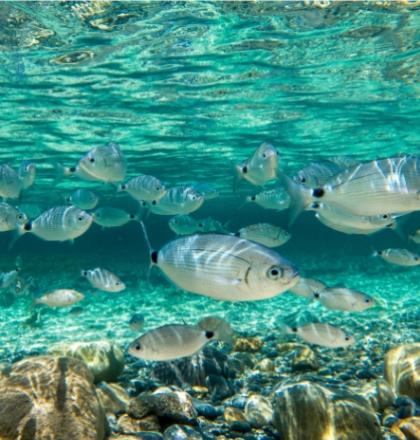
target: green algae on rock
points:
(50, 397)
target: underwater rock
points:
(172, 404)
(258, 411)
(232, 414)
(304, 359)
(402, 369)
(138, 436)
(266, 365)
(407, 429)
(251, 344)
(138, 407)
(177, 432)
(113, 397)
(378, 392)
(219, 386)
(104, 359)
(309, 411)
(128, 425)
(50, 397)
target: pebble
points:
(177, 432)
(207, 410)
(232, 414)
(258, 411)
(251, 344)
(220, 387)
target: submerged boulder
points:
(51, 398)
(104, 359)
(402, 369)
(307, 411)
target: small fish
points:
(207, 190)
(144, 187)
(60, 298)
(10, 183)
(219, 326)
(265, 234)
(10, 217)
(322, 334)
(261, 168)
(60, 223)
(342, 298)
(400, 257)
(110, 217)
(306, 287)
(106, 164)
(317, 174)
(209, 224)
(170, 342)
(177, 200)
(341, 220)
(136, 322)
(277, 199)
(27, 174)
(7, 279)
(224, 267)
(103, 279)
(183, 224)
(415, 236)
(83, 199)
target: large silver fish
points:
(325, 335)
(60, 223)
(261, 167)
(341, 220)
(144, 187)
(177, 200)
(225, 267)
(170, 342)
(106, 164)
(10, 183)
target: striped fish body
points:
(225, 267)
(177, 200)
(103, 279)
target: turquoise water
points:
(188, 89)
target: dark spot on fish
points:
(318, 192)
(253, 198)
(379, 252)
(303, 179)
(154, 257)
(123, 186)
(28, 226)
(132, 216)
(315, 205)
(316, 295)
(153, 202)
(244, 170)
(294, 329)
(367, 300)
(209, 335)
(92, 159)
(72, 169)
(237, 234)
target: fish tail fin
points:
(299, 197)
(398, 227)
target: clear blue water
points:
(188, 89)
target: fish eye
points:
(303, 179)
(316, 295)
(158, 188)
(385, 216)
(274, 272)
(244, 170)
(68, 199)
(123, 186)
(20, 217)
(367, 300)
(137, 347)
(153, 202)
(72, 169)
(318, 192)
(200, 225)
(253, 198)
(91, 159)
(80, 218)
(380, 252)
(264, 155)
(347, 338)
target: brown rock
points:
(402, 369)
(138, 407)
(232, 414)
(258, 411)
(50, 398)
(251, 344)
(304, 359)
(128, 424)
(104, 359)
(408, 428)
(113, 397)
(378, 392)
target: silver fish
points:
(209, 224)
(400, 257)
(136, 322)
(225, 267)
(277, 199)
(106, 164)
(219, 326)
(60, 298)
(27, 174)
(323, 334)
(342, 298)
(177, 200)
(170, 342)
(83, 199)
(262, 167)
(103, 279)
(341, 220)
(306, 287)
(10, 183)
(317, 174)
(60, 223)
(7, 279)
(110, 217)
(144, 187)
(415, 236)
(265, 234)
(371, 188)
(10, 217)
(183, 224)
